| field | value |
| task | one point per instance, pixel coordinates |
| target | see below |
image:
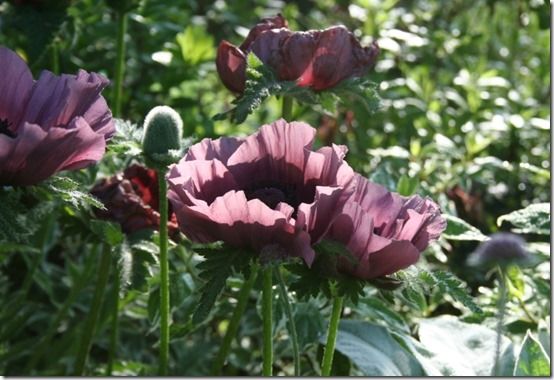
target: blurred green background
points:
(464, 118)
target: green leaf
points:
(532, 359)
(196, 44)
(68, 190)
(374, 351)
(533, 219)
(220, 263)
(456, 348)
(107, 231)
(406, 186)
(309, 322)
(458, 229)
(449, 284)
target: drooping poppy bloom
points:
(319, 59)
(384, 232)
(269, 192)
(131, 199)
(52, 124)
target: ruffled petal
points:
(321, 213)
(241, 223)
(208, 149)
(15, 87)
(276, 152)
(231, 66)
(264, 25)
(205, 180)
(57, 100)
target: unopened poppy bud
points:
(162, 132)
(502, 249)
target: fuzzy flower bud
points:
(502, 249)
(162, 134)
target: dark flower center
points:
(5, 128)
(272, 194)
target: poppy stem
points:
(120, 61)
(164, 276)
(55, 56)
(286, 112)
(267, 313)
(290, 317)
(501, 313)
(115, 321)
(233, 327)
(329, 351)
(94, 313)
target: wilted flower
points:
(384, 232)
(131, 199)
(501, 249)
(52, 124)
(319, 59)
(269, 192)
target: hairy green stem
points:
(164, 276)
(233, 327)
(329, 350)
(115, 321)
(94, 313)
(120, 62)
(286, 111)
(501, 313)
(267, 314)
(55, 56)
(290, 318)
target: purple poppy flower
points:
(52, 124)
(269, 192)
(319, 59)
(384, 232)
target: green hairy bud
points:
(162, 131)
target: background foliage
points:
(464, 118)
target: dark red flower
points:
(319, 59)
(131, 199)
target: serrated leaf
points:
(220, 263)
(68, 191)
(107, 231)
(458, 229)
(447, 283)
(532, 359)
(533, 219)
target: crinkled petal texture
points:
(131, 199)
(384, 231)
(268, 189)
(319, 59)
(52, 124)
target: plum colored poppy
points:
(384, 232)
(269, 193)
(319, 59)
(131, 199)
(52, 124)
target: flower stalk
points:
(120, 61)
(164, 277)
(114, 334)
(287, 108)
(502, 288)
(290, 318)
(329, 350)
(90, 326)
(267, 314)
(233, 327)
